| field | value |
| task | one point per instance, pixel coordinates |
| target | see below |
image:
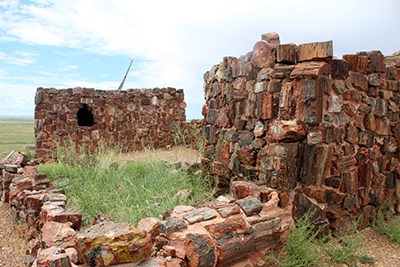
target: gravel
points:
(12, 247)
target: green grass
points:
(127, 192)
(15, 134)
(386, 224)
(301, 246)
(305, 248)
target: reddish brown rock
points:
(359, 81)
(24, 183)
(340, 69)
(227, 210)
(53, 256)
(315, 51)
(151, 225)
(311, 69)
(310, 100)
(316, 160)
(250, 205)
(285, 131)
(200, 250)
(111, 243)
(271, 37)
(243, 189)
(287, 53)
(264, 54)
(358, 63)
(233, 240)
(200, 214)
(65, 216)
(58, 234)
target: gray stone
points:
(250, 205)
(199, 215)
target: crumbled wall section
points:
(293, 116)
(233, 229)
(130, 119)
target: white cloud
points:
(67, 67)
(180, 40)
(20, 58)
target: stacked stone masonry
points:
(296, 118)
(234, 230)
(130, 120)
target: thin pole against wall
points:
(126, 74)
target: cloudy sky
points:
(89, 43)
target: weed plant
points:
(343, 249)
(386, 224)
(304, 247)
(128, 192)
(301, 246)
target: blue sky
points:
(89, 43)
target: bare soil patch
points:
(385, 252)
(172, 155)
(12, 247)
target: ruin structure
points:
(315, 133)
(322, 130)
(130, 120)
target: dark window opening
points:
(85, 116)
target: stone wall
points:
(294, 117)
(234, 230)
(130, 119)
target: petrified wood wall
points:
(130, 119)
(295, 117)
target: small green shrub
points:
(343, 249)
(367, 260)
(386, 224)
(301, 246)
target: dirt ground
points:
(12, 247)
(172, 155)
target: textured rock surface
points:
(110, 243)
(130, 118)
(328, 126)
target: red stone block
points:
(315, 51)
(58, 234)
(200, 250)
(285, 131)
(377, 61)
(344, 164)
(316, 160)
(359, 81)
(243, 189)
(53, 256)
(340, 69)
(24, 183)
(35, 202)
(287, 53)
(263, 230)
(227, 210)
(30, 170)
(264, 55)
(358, 63)
(310, 70)
(350, 182)
(74, 218)
(310, 100)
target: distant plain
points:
(16, 134)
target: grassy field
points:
(126, 191)
(15, 134)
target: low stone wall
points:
(234, 230)
(128, 119)
(294, 117)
